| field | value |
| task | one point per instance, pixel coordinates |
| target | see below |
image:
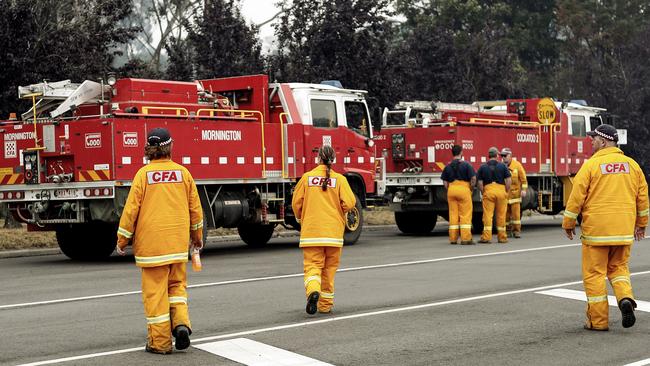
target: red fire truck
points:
(67, 165)
(547, 137)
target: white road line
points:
(327, 320)
(257, 279)
(640, 363)
(252, 353)
(580, 295)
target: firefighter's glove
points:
(119, 250)
(639, 233)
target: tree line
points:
(449, 50)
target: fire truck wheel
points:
(416, 222)
(255, 235)
(87, 242)
(353, 223)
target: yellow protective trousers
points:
(513, 215)
(600, 262)
(495, 197)
(164, 294)
(320, 264)
(459, 200)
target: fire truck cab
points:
(67, 166)
(547, 137)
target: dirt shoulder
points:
(13, 239)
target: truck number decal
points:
(130, 139)
(10, 149)
(527, 137)
(93, 140)
(444, 144)
(615, 168)
(164, 176)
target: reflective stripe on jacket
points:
(519, 181)
(162, 208)
(322, 213)
(611, 192)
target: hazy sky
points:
(257, 11)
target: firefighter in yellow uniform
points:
(320, 202)
(611, 193)
(459, 179)
(162, 213)
(518, 189)
(494, 184)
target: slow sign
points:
(546, 111)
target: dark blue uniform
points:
(493, 172)
(458, 170)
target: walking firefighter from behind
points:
(459, 179)
(611, 193)
(321, 200)
(161, 214)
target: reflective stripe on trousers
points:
(321, 263)
(600, 262)
(459, 200)
(164, 294)
(495, 198)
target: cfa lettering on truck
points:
(615, 168)
(164, 176)
(318, 182)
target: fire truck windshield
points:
(357, 117)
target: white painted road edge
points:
(580, 295)
(327, 320)
(256, 279)
(640, 363)
(252, 353)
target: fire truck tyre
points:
(353, 223)
(255, 235)
(419, 222)
(87, 242)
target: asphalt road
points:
(400, 300)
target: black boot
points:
(312, 302)
(627, 311)
(182, 335)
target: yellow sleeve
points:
(642, 202)
(131, 210)
(522, 177)
(298, 198)
(577, 198)
(196, 211)
(346, 195)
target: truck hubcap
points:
(352, 222)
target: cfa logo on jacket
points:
(615, 168)
(164, 176)
(318, 182)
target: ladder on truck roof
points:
(59, 97)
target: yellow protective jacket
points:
(162, 208)
(611, 192)
(322, 213)
(519, 181)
